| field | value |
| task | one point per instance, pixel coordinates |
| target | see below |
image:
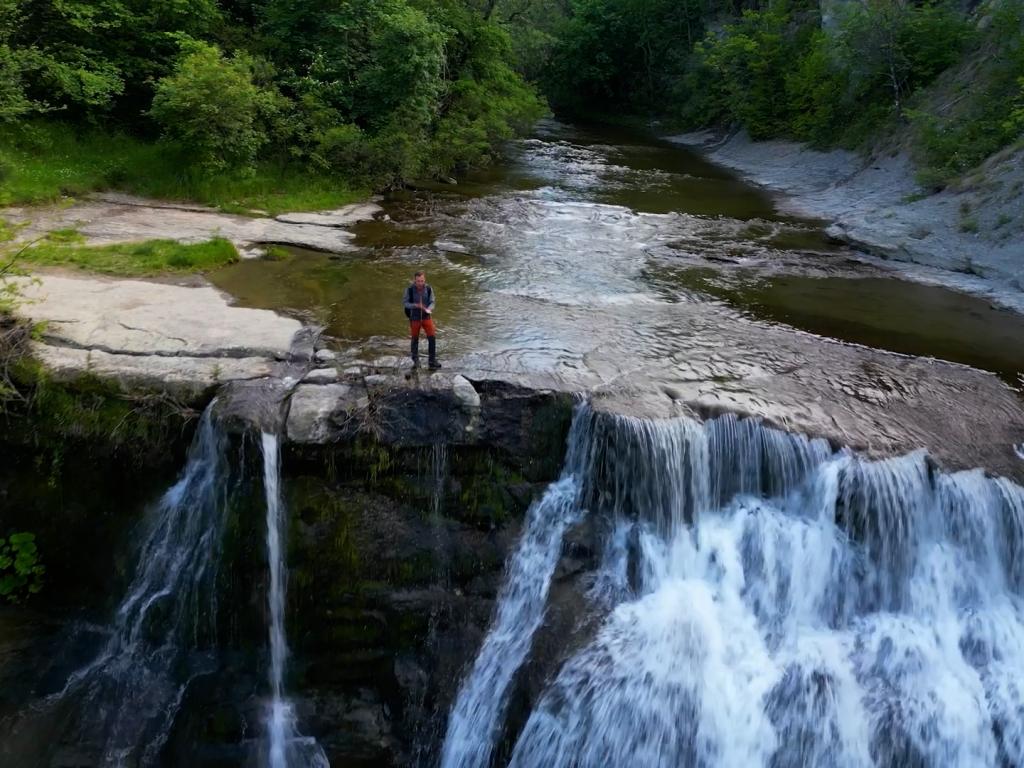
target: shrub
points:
(989, 115)
(211, 104)
(816, 93)
(748, 64)
(21, 572)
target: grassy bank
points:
(44, 162)
(147, 258)
(67, 248)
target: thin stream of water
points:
(286, 748)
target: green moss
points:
(485, 497)
(353, 628)
(67, 236)
(91, 409)
(549, 428)
(151, 257)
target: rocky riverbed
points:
(969, 236)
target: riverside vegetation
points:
(254, 104)
(942, 78)
(270, 105)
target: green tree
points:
(211, 105)
(13, 101)
(954, 138)
(817, 93)
(91, 57)
(897, 46)
(613, 54)
(487, 104)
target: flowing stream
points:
(285, 747)
(785, 605)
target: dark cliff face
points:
(396, 544)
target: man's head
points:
(419, 279)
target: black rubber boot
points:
(432, 353)
(414, 351)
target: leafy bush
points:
(489, 103)
(211, 104)
(990, 112)
(748, 63)
(1014, 123)
(21, 572)
(816, 93)
(894, 47)
(778, 73)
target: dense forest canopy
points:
(389, 90)
(831, 72)
(379, 90)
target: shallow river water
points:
(588, 240)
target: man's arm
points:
(407, 299)
(430, 307)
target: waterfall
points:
(788, 606)
(476, 715)
(130, 693)
(285, 747)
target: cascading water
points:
(126, 699)
(476, 716)
(789, 606)
(285, 748)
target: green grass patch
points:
(969, 225)
(151, 257)
(43, 162)
(68, 236)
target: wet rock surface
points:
(150, 336)
(877, 403)
(406, 491)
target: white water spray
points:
(790, 607)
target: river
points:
(587, 250)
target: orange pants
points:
(427, 326)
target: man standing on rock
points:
(419, 308)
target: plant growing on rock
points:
(21, 572)
(13, 333)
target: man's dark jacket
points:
(414, 297)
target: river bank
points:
(969, 237)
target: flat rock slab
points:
(186, 378)
(113, 220)
(150, 337)
(342, 217)
(155, 319)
